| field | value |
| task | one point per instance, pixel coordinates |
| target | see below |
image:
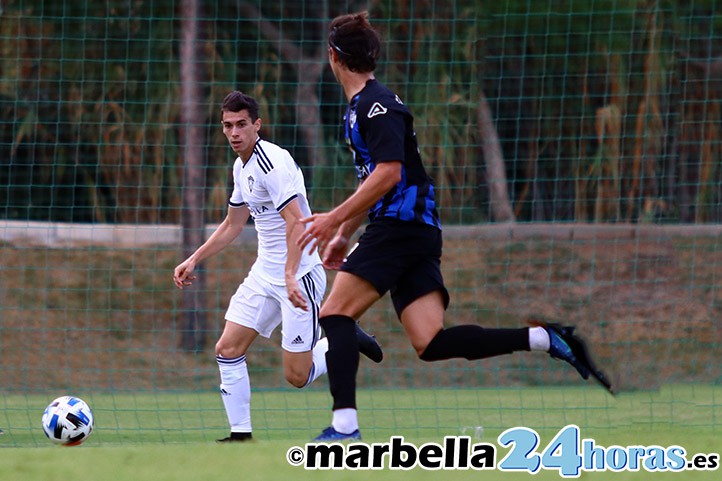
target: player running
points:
(284, 286)
(400, 250)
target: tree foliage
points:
(606, 110)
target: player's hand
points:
(183, 274)
(294, 293)
(335, 253)
(321, 229)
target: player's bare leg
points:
(423, 319)
(302, 368)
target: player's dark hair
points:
(354, 39)
(237, 101)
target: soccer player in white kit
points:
(284, 286)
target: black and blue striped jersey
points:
(379, 128)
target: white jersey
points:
(266, 184)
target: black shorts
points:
(401, 257)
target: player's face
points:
(241, 132)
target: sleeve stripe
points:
(235, 204)
(263, 161)
(284, 204)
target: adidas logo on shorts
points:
(298, 340)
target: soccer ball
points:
(68, 421)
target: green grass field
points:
(161, 436)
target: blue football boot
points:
(330, 435)
(566, 346)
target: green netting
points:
(606, 115)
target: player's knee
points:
(426, 350)
(297, 382)
(424, 356)
(228, 351)
(420, 348)
(296, 378)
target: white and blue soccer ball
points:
(68, 420)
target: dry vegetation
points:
(110, 318)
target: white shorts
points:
(262, 306)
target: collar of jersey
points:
(354, 99)
(253, 154)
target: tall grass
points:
(109, 318)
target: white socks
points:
(345, 420)
(236, 392)
(236, 386)
(318, 368)
(538, 339)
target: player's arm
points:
(292, 214)
(350, 226)
(225, 233)
(323, 227)
(384, 136)
(335, 252)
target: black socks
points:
(475, 342)
(468, 341)
(342, 359)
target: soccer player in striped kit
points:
(284, 286)
(400, 249)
